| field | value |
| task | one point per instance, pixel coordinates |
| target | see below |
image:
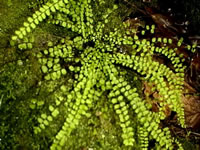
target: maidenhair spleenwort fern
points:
(93, 57)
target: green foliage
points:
(89, 68)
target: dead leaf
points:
(192, 111)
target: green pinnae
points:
(55, 112)
(63, 71)
(51, 108)
(44, 116)
(44, 69)
(49, 118)
(49, 64)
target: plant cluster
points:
(93, 56)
